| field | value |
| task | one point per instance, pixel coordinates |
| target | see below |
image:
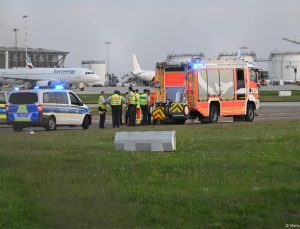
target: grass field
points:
(272, 96)
(226, 175)
(265, 96)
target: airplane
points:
(48, 76)
(139, 73)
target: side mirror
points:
(157, 85)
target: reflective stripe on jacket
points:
(132, 98)
(115, 100)
(143, 99)
(101, 104)
(137, 96)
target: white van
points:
(46, 108)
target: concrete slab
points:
(150, 141)
(284, 93)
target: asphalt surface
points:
(268, 111)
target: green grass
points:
(89, 98)
(272, 96)
(265, 96)
(230, 175)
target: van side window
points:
(74, 99)
(55, 97)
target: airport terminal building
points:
(12, 57)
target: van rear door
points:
(23, 107)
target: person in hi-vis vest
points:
(102, 108)
(115, 102)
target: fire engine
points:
(222, 88)
(170, 103)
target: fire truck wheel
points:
(168, 110)
(250, 112)
(186, 110)
(213, 113)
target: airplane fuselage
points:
(144, 75)
(67, 75)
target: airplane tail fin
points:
(136, 65)
(241, 52)
(28, 62)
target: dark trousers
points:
(121, 118)
(132, 114)
(116, 112)
(126, 117)
(145, 115)
(102, 117)
(149, 117)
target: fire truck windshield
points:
(253, 75)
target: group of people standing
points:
(133, 101)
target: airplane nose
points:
(96, 77)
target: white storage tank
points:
(98, 67)
(246, 56)
(284, 66)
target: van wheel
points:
(250, 112)
(85, 123)
(213, 113)
(17, 128)
(51, 125)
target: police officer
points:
(131, 107)
(144, 101)
(138, 106)
(102, 108)
(115, 102)
(126, 115)
(151, 101)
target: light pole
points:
(26, 40)
(15, 30)
(107, 44)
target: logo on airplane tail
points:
(28, 62)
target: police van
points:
(46, 108)
(3, 102)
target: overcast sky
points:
(150, 29)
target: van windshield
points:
(23, 98)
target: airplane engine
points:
(51, 84)
(43, 83)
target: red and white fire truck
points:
(169, 89)
(222, 88)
